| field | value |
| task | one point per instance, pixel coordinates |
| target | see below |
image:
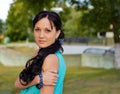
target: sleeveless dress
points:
(59, 84)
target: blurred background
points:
(91, 45)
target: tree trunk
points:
(117, 55)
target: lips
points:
(41, 41)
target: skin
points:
(45, 36)
(49, 78)
(49, 63)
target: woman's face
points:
(44, 34)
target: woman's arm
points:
(50, 63)
(49, 78)
(18, 85)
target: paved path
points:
(8, 55)
(68, 49)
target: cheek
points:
(35, 36)
(52, 38)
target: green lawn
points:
(92, 81)
(7, 78)
(79, 80)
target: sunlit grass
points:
(78, 80)
(22, 49)
(7, 78)
(92, 81)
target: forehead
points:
(45, 21)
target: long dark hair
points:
(34, 66)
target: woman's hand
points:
(50, 77)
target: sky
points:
(4, 7)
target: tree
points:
(36, 6)
(21, 13)
(1, 26)
(104, 13)
(17, 22)
(71, 22)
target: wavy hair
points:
(34, 66)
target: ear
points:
(58, 33)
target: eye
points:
(36, 29)
(48, 30)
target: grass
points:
(92, 81)
(22, 49)
(78, 80)
(7, 78)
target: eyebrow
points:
(45, 27)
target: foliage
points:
(21, 13)
(36, 6)
(104, 13)
(71, 25)
(1, 26)
(17, 22)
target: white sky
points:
(4, 7)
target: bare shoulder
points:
(50, 62)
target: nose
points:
(41, 34)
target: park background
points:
(86, 23)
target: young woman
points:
(48, 35)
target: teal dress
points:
(59, 85)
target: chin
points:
(43, 46)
